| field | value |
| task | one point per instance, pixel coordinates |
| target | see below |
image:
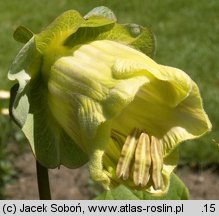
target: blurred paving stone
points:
(202, 184)
(65, 183)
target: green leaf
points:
(22, 34)
(177, 191)
(119, 193)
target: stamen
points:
(157, 163)
(127, 153)
(144, 154)
(142, 162)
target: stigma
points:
(141, 159)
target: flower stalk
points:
(43, 182)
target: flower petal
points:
(167, 107)
(191, 120)
(83, 93)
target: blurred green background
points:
(187, 37)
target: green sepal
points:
(177, 191)
(65, 25)
(97, 21)
(140, 38)
(49, 142)
(22, 34)
(62, 27)
(144, 39)
(103, 12)
(13, 93)
(96, 25)
(18, 72)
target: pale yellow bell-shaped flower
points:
(125, 111)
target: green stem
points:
(43, 182)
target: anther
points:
(127, 154)
(157, 163)
(142, 162)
